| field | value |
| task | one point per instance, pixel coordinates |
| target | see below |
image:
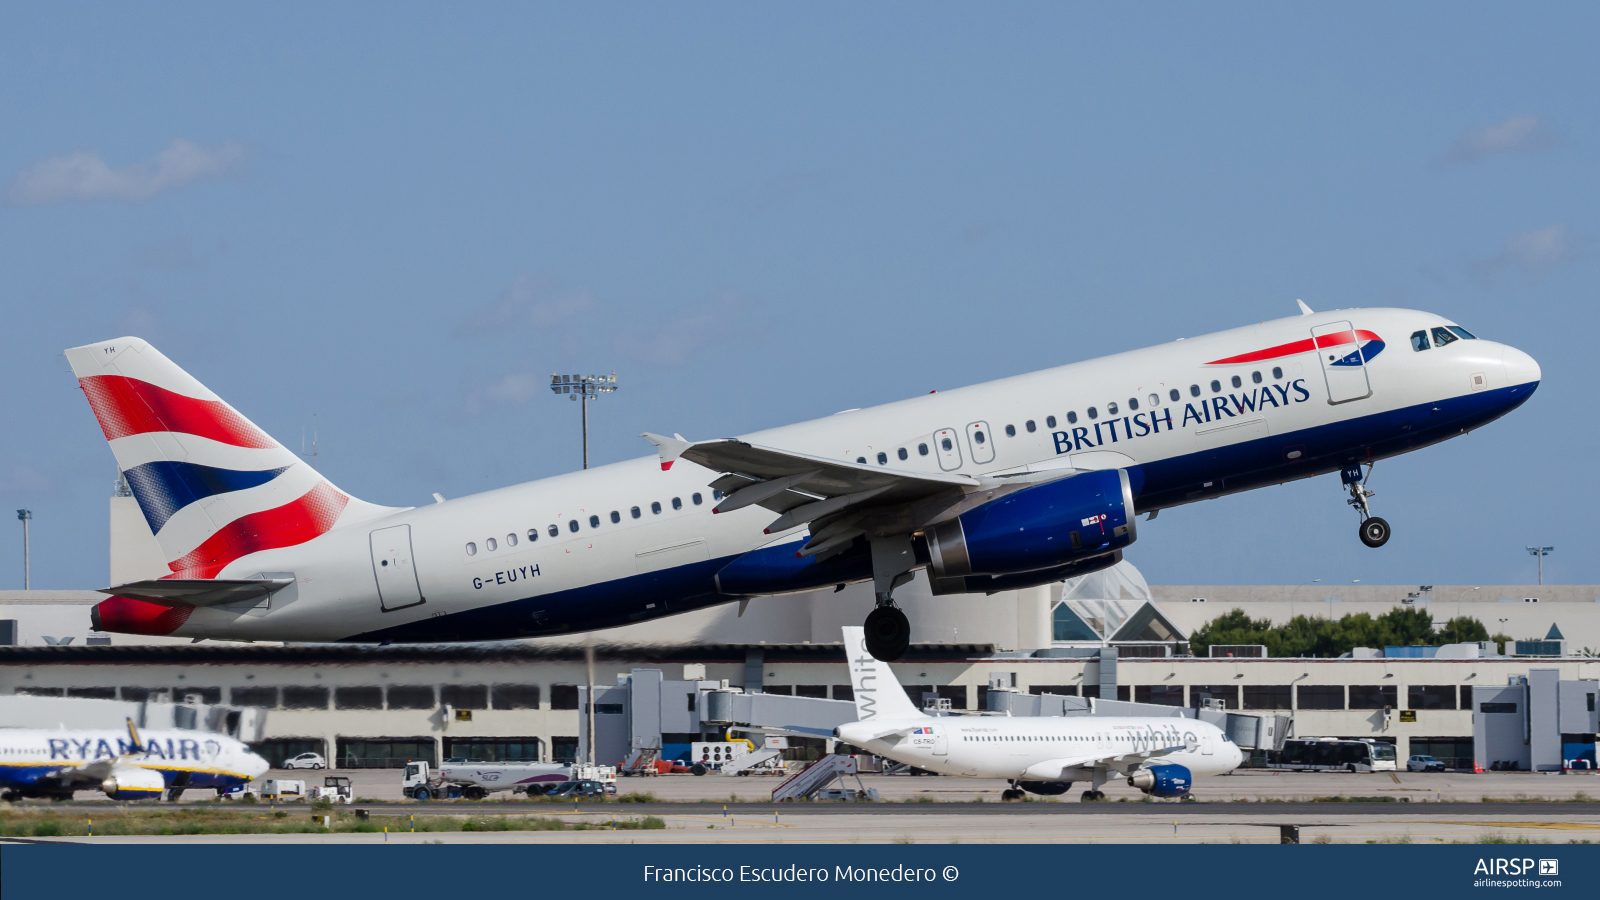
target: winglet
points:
(1304, 309)
(133, 735)
(670, 448)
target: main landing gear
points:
(887, 630)
(1374, 530)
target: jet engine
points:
(1167, 780)
(133, 783)
(1043, 527)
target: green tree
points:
(1305, 636)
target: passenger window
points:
(1094, 413)
(695, 498)
(634, 512)
(883, 458)
(902, 452)
(922, 449)
(978, 436)
(472, 549)
(533, 535)
(1072, 418)
(1111, 408)
(1462, 333)
(615, 517)
(572, 526)
(1277, 374)
(1030, 426)
(1419, 340)
(490, 544)
(1442, 336)
(716, 494)
(677, 503)
(1216, 386)
(1049, 421)
(862, 460)
(511, 540)
(1173, 395)
(1133, 403)
(946, 444)
(1155, 400)
(655, 507)
(554, 531)
(1255, 377)
(594, 521)
(1194, 390)
(1237, 382)
(1011, 431)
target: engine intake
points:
(1168, 780)
(133, 783)
(1042, 527)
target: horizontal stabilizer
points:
(200, 591)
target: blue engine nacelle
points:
(1042, 527)
(1168, 780)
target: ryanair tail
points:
(212, 486)
(878, 693)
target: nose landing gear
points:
(1374, 530)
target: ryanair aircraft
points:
(1004, 485)
(36, 762)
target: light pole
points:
(25, 515)
(1541, 552)
(585, 388)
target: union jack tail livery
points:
(213, 486)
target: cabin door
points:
(1342, 353)
(393, 567)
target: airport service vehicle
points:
(124, 764)
(1424, 763)
(306, 761)
(1327, 754)
(334, 789)
(477, 780)
(1013, 483)
(1037, 754)
(283, 789)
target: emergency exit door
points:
(393, 568)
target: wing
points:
(200, 591)
(1051, 769)
(803, 488)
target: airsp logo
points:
(1549, 867)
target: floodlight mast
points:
(585, 388)
(1540, 552)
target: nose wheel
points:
(1374, 530)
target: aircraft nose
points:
(256, 766)
(1520, 367)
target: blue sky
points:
(387, 224)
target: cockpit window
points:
(1419, 340)
(1442, 336)
(1462, 333)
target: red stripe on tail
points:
(126, 615)
(127, 406)
(292, 523)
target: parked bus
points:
(1326, 754)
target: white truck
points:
(475, 781)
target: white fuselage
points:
(34, 759)
(626, 542)
(1032, 747)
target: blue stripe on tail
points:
(163, 488)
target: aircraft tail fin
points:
(133, 735)
(878, 693)
(212, 486)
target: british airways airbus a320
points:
(1009, 484)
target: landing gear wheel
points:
(1186, 798)
(1010, 794)
(1375, 532)
(888, 633)
(1093, 796)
